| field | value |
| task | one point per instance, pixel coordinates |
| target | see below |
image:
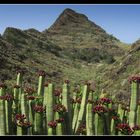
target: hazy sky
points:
(123, 21)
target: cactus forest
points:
(48, 110)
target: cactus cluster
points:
(48, 110)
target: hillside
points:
(73, 48)
(114, 77)
(20, 49)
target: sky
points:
(122, 21)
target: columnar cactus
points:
(89, 115)
(66, 103)
(82, 107)
(134, 80)
(8, 112)
(42, 75)
(49, 102)
(2, 110)
(38, 119)
(99, 119)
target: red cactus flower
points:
(29, 90)
(20, 117)
(60, 120)
(90, 101)
(134, 78)
(2, 97)
(20, 70)
(59, 108)
(52, 124)
(41, 73)
(39, 108)
(8, 97)
(125, 129)
(99, 109)
(27, 124)
(57, 92)
(82, 129)
(24, 124)
(46, 84)
(67, 81)
(105, 100)
(78, 100)
(136, 127)
(16, 86)
(115, 117)
(72, 101)
(3, 85)
(30, 97)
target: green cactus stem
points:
(38, 123)
(38, 118)
(2, 114)
(41, 85)
(133, 103)
(19, 79)
(89, 115)
(120, 111)
(66, 103)
(17, 97)
(50, 131)
(99, 124)
(138, 114)
(82, 107)
(19, 131)
(59, 127)
(8, 116)
(89, 119)
(75, 116)
(49, 102)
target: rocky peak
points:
(68, 17)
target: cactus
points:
(89, 115)
(8, 113)
(75, 116)
(135, 80)
(41, 83)
(38, 119)
(50, 113)
(49, 102)
(2, 112)
(66, 103)
(59, 127)
(82, 107)
(99, 124)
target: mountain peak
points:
(68, 10)
(66, 18)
